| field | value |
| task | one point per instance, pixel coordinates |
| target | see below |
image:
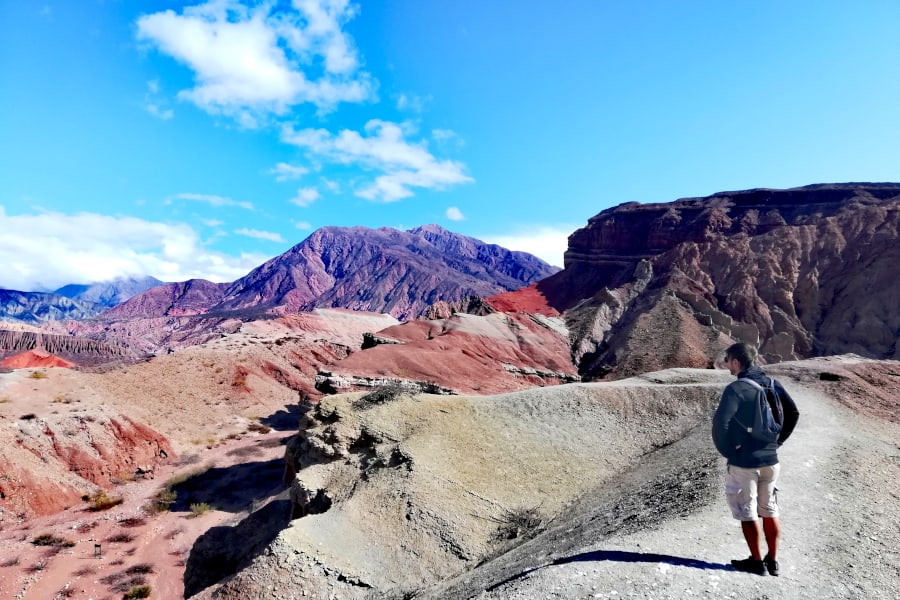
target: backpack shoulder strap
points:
(753, 383)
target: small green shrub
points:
(163, 500)
(38, 375)
(199, 508)
(140, 591)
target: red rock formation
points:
(55, 460)
(34, 358)
(464, 353)
(528, 299)
(804, 272)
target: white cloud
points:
(260, 235)
(152, 103)
(305, 196)
(454, 214)
(48, 250)
(382, 147)
(213, 222)
(156, 111)
(284, 171)
(547, 243)
(214, 200)
(303, 225)
(412, 102)
(443, 135)
(252, 61)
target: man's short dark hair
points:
(744, 353)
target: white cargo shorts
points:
(751, 492)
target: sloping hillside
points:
(610, 488)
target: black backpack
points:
(768, 416)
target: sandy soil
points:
(671, 538)
(138, 547)
(839, 493)
(214, 427)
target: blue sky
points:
(192, 139)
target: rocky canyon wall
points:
(802, 272)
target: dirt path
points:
(665, 532)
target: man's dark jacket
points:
(739, 401)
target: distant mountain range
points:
(109, 293)
(379, 270)
(70, 302)
(801, 272)
(37, 307)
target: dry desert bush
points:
(122, 537)
(48, 539)
(103, 501)
(384, 393)
(258, 428)
(518, 523)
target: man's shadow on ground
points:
(622, 556)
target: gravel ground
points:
(663, 531)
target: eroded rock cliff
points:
(391, 497)
(804, 272)
(81, 350)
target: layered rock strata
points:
(464, 353)
(50, 461)
(802, 272)
(81, 350)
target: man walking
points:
(752, 462)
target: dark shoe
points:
(771, 565)
(750, 565)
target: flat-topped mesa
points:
(802, 272)
(629, 232)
